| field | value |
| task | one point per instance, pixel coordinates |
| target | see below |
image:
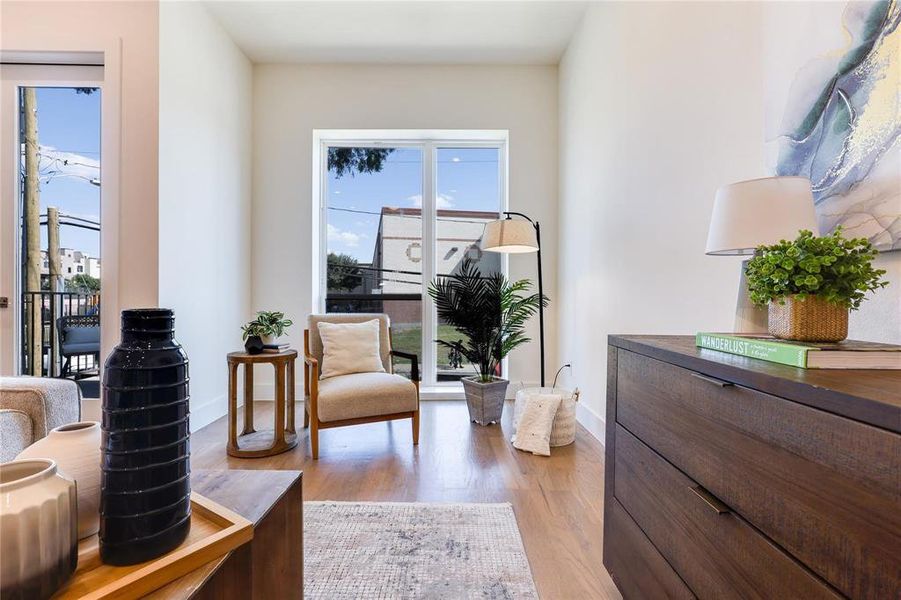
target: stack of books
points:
(276, 348)
(849, 354)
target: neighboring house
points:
(398, 246)
(72, 263)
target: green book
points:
(777, 352)
(848, 354)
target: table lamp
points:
(758, 212)
(512, 236)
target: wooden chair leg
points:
(416, 428)
(306, 417)
(314, 437)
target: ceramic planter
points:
(76, 450)
(810, 320)
(38, 529)
(145, 497)
(485, 400)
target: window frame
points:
(428, 142)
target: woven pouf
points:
(563, 431)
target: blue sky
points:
(69, 130)
(467, 179)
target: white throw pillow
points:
(535, 423)
(350, 348)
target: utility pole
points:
(56, 284)
(56, 268)
(32, 225)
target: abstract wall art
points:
(837, 121)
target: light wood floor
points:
(558, 500)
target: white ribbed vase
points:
(38, 529)
(76, 450)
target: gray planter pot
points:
(485, 400)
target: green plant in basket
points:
(833, 268)
(268, 323)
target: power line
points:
(418, 217)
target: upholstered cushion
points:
(364, 395)
(15, 431)
(534, 431)
(384, 337)
(48, 402)
(350, 348)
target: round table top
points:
(244, 357)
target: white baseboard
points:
(590, 420)
(209, 411)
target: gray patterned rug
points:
(406, 550)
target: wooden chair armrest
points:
(310, 360)
(414, 362)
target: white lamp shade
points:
(760, 211)
(510, 236)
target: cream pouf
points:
(563, 432)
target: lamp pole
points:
(537, 227)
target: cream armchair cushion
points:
(350, 348)
(361, 395)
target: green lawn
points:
(408, 338)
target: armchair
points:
(356, 398)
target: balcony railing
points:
(44, 349)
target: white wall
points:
(127, 35)
(290, 101)
(205, 188)
(660, 103)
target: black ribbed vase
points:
(145, 488)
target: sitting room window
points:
(395, 212)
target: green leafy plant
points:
(267, 322)
(834, 268)
(489, 311)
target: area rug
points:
(407, 550)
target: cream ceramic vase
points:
(76, 449)
(38, 529)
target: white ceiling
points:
(375, 31)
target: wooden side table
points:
(283, 437)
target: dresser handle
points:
(713, 380)
(711, 500)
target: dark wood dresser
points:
(729, 477)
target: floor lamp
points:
(512, 236)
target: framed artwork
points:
(833, 74)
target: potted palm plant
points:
(490, 313)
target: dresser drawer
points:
(635, 565)
(714, 550)
(825, 488)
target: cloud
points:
(57, 163)
(349, 239)
(444, 201)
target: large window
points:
(396, 213)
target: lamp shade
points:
(760, 211)
(510, 236)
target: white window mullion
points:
(429, 224)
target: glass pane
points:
(468, 196)
(374, 239)
(60, 235)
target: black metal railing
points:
(44, 352)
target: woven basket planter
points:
(810, 320)
(563, 432)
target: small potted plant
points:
(490, 313)
(811, 283)
(264, 330)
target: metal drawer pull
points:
(713, 380)
(711, 500)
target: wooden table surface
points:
(251, 494)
